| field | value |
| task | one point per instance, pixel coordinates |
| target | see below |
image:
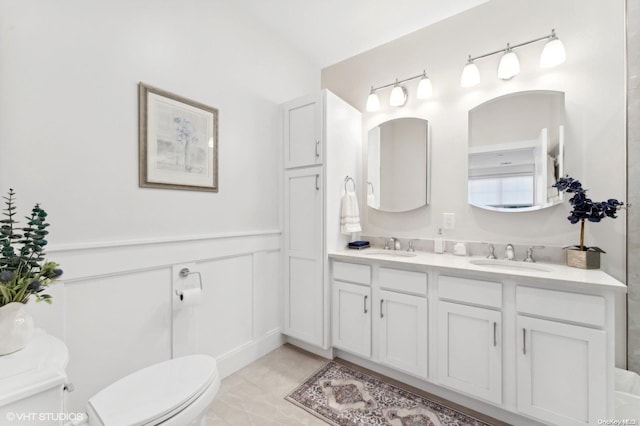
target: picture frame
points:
(178, 142)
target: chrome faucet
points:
(392, 244)
(509, 252)
(492, 254)
(411, 248)
(529, 257)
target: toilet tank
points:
(32, 383)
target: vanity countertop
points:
(593, 278)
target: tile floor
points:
(255, 394)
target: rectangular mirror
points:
(397, 165)
(516, 151)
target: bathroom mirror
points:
(516, 151)
(397, 165)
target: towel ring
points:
(347, 179)
(371, 186)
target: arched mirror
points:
(397, 165)
(516, 151)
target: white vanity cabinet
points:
(303, 248)
(321, 146)
(562, 358)
(303, 131)
(351, 308)
(469, 342)
(535, 347)
(402, 320)
(396, 317)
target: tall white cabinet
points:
(321, 146)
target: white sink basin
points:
(397, 253)
(508, 265)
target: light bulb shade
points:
(373, 102)
(425, 88)
(398, 96)
(553, 54)
(470, 75)
(509, 66)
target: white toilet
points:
(171, 393)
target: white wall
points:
(592, 79)
(68, 112)
(69, 72)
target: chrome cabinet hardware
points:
(495, 338)
(524, 341)
(317, 182)
(317, 146)
(365, 304)
(381, 314)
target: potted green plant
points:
(24, 273)
(584, 209)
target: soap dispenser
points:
(438, 242)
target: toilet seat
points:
(154, 394)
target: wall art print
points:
(178, 142)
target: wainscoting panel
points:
(225, 318)
(114, 326)
(116, 310)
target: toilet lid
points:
(155, 391)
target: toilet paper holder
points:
(184, 273)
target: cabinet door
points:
(402, 335)
(303, 266)
(351, 318)
(470, 350)
(561, 372)
(303, 132)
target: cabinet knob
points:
(69, 387)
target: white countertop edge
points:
(592, 278)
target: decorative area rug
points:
(342, 396)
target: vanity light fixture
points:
(553, 54)
(470, 74)
(373, 102)
(509, 65)
(425, 88)
(399, 94)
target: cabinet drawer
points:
(477, 292)
(405, 281)
(352, 272)
(562, 305)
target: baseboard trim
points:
(324, 353)
(249, 352)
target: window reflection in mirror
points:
(397, 165)
(516, 151)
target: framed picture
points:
(178, 142)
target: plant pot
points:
(583, 259)
(16, 327)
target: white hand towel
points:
(350, 215)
